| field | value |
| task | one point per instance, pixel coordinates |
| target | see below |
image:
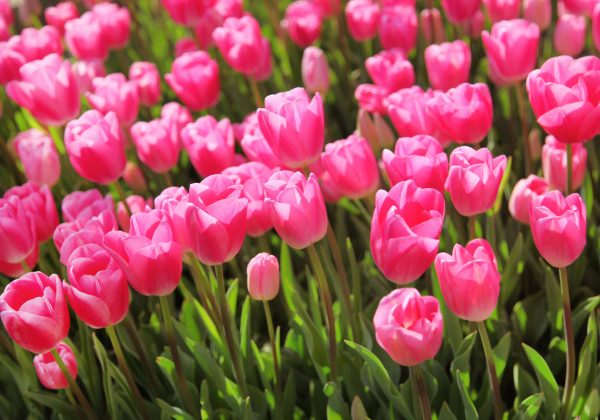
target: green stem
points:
(472, 227)
(326, 296)
(489, 357)
(83, 402)
(114, 339)
(421, 389)
(258, 101)
(203, 288)
(122, 197)
(524, 130)
(141, 351)
(569, 168)
(569, 338)
(276, 370)
(167, 179)
(172, 340)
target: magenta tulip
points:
(84, 37)
(362, 18)
(48, 371)
(210, 144)
(459, 11)
(11, 61)
(39, 156)
(114, 22)
(35, 44)
(17, 230)
(554, 164)
(448, 64)
(522, 195)
(115, 93)
(538, 12)
(302, 22)
(398, 28)
(156, 145)
(39, 203)
(569, 34)
(147, 79)
(391, 70)
(194, 78)
(60, 14)
(499, 10)
(86, 71)
(315, 70)
(239, 41)
(263, 276)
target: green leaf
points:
(288, 279)
(545, 378)
(501, 353)
(245, 322)
(462, 360)
(503, 182)
(530, 407)
(232, 296)
(357, 410)
(211, 328)
(57, 404)
(554, 299)
(446, 413)
(523, 382)
(170, 412)
(510, 276)
(470, 411)
(337, 409)
(588, 361)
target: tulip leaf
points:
(170, 412)
(213, 333)
(588, 361)
(510, 276)
(503, 182)
(357, 410)
(245, 321)
(57, 404)
(470, 411)
(288, 279)
(501, 353)
(337, 409)
(545, 378)
(462, 360)
(232, 297)
(554, 299)
(446, 413)
(524, 383)
(530, 407)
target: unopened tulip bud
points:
(315, 70)
(49, 372)
(263, 277)
(134, 178)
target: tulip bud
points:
(538, 12)
(114, 93)
(448, 64)
(554, 164)
(134, 178)
(156, 145)
(194, 78)
(263, 276)
(432, 26)
(569, 34)
(315, 70)
(384, 131)
(302, 22)
(147, 79)
(48, 371)
(523, 193)
(39, 156)
(362, 18)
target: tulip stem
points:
(122, 197)
(569, 168)
(167, 179)
(256, 93)
(568, 326)
(204, 290)
(489, 357)
(229, 338)
(472, 227)
(276, 371)
(114, 339)
(524, 130)
(172, 340)
(83, 402)
(326, 296)
(363, 211)
(139, 348)
(421, 390)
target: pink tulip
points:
(420, 158)
(69, 237)
(371, 98)
(136, 204)
(34, 311)
(315, 70)
(239, 41)
(97, 290)
(84, 205)
(187, 12)
(554, 164)
(538, 12)
(391, 69)
(257, 149)
(11, 61)
(204, 28)
(185, 45)
(474, 179)
(499, 10)
(213, 218)
(252, 176)
(115, 23)
(511, 49)
(95, 147)
(84, 37)
(179, 116)
(39, 156)
(35, 44)
(17, 230)
(558, 227)
(469, 280)
(86, 71)
(6, 12)
(349, 166)
(114, 93)
(596, 26)
(48, 89)
(362, 18)
(263, 276)
(210, 144)
(328, 8)
(194, 78)
(147, 78)
(48, 371)
(562, 95)
(293, 125)
(398, 28)
(297, 208)
(432, 27)
(405, 230)
(448, 64)
(15, 270)
(302, 22)
(39, 203)
(60, 14)
(156, 145)
(229, 8)
(579, 7)
(523, 193)
(459, 11)
(4, 30)
(265, 62)
(408, 112)
(569, 34)
(134, 178)
(408, 326)
(463, 114)
(167, 201)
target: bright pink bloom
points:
(362, 18)
(134, 178)
(15, 270)
(469, 280)
(48, 371)
(257, 149)
(398, 28)
(263, 276)
(293, 125)
(17, 231)
(558, 227)
(115, 23)
(6, 11)
(60, 14)
(70, 236)
(239, 41)
(95, 146)
(11, 61)
(459, 11)
(39, 203)
(408, 112)
(265, 62)
(463, 114)
(596, 26)
(579, 7)
(137, 204)
(156, 145)
(408, 326)
(328, 8)
(97, 288)
(554, 164)
(563, 95)
(34, 311)
(194, 78)
(474, 179)
(204, 28)
(210, 144)
(84, 37)
(175, 117)
(448, 64)
(39, 156)
(185, 45)
(405, 230)
(499, 10)
(84, 205)
(36, 44)
(391, 69)
(86, 71)
(297, 208)
(115, 93)
(523, 193)
(315, 70)
(432, 26)
(48, 89)
(187, 12)
(372, 98)
(147, 78)
(569, 34)
(302, 22)
(538, 12)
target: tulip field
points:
(299, 209)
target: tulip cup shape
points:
(210, 144)
(195, 79)
(115, 23)
(315, 70)
(84, 37)
(459, 11)
(35, 44)
(84, 205)
(39, 203)
(408, 112)
(448, 64)
(474, 179)
(538, 12)
(39, 156)
(405, 230)
(558, 227)
(408, 326)
(371, 98)
(33, 309)
(522, 195)
(554, 164)
(17, 230)
(499, 10)
(115, 93)
(48, 371)
(569, 34)
(390, 69)
(297, 208)
(60, 14)
(398, 27)
(263, 276)
(362, 18)
(157, 144)
(294, 126)
(11, 62)
(186, 12)
(147, 78)
(469, 280)
(239, 41)
(134, 178)
(303, 22)
(86, 71)
(15, 270)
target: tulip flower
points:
(210, 144)
(257, 149)
(596, 27)
(134, 178)
(35, 44)
(11, 61)
(83, 205)
(186, 12)
(6, 12)
(459, 11)
(86, 71)
(469, 280)
(558, 227)
(408, 326)
(448, 64)
(39, 156)
(293, 125)
(15, 270)
(95, 146)
(554, 164)
(60, 14)
(263, 276)
(362, 18)
(147, 78)
(69, 236)
(569, 34)
(194, 78)
(499, 10)
(114, 93)
(523, 193)
(432, 27)
(84, 37)
(579, 7)
(39, 203)
(114, 22)
(408, 112)
(420, 158)
(33, 309)
(302, 22)
(48, 371)
(178, 117)
(265, 62)
(185, 45)
(391, 70)
(328, 8)
(136, 204)
(371, 98)
(47, 89)
(474, 179)
(398, 28)
(538, 12)
(315, 70)
(239, 41)
(17, 230)
(297, 208)
(156, 145)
